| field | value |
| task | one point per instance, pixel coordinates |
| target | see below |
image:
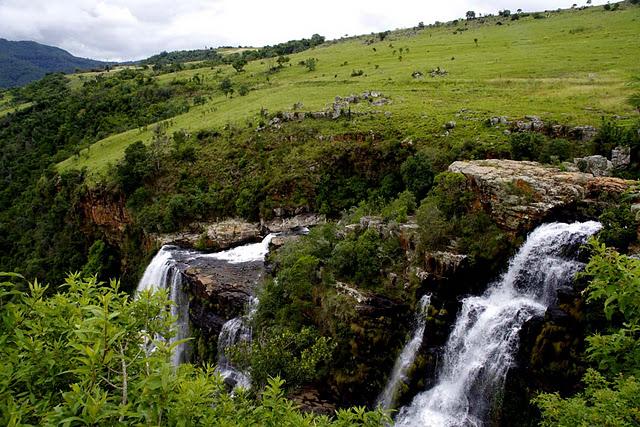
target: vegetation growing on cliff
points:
(611, 396)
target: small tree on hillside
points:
(282, 60)
(471, 15)
(311, 64)
(226, 86)
(239, 64)
(383, 35)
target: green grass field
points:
(572, 67)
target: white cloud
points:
(133, 29)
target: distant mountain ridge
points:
(22, 62)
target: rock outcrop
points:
(222, 235)
(215, 236)
(595, 165)
(107, 211)
(519, 195)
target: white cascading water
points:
(482, 345)
(247, 253)
(162, 273)
(238, 330)
(387, 398)
(235, 331)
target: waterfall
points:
(163, 273)
(238, 330)
(235, 331)
(387, 398)
(247, 253)
(481, 347)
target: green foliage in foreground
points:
(79, 358)
(612, 393)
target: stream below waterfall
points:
(485, 337)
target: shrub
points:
(134, 168)
(417, 175)
(451, 195)
(400, 208)
(243, 90)
(306, 358)
(612, 392)
(556, 150)
(311, 63)
(619, 227)
(526, 145)
(77, 358)
(356, 73)
(435, 230)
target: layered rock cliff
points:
(519, 195)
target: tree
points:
(239, 64)
(311, 64)
(226, 86)
(383, 35)
(417, 175)
(282, 60)
(471, 15)
(134, 168)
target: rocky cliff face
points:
(519, 195)
(106, 211)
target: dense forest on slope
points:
(96, 166)
(22, 62)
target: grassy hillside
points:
(571, 67)
(22, 62)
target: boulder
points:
(213, 236)
(621, 157)
(520, 195)
(295, 223)
(223, 287)
(583, 133)
(595, 165)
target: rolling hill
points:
(570, 66)
(22, 62)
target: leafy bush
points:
(243, 90)
(526, 145)
(619, 227)
(612, 393)
(311, 63)
(298, 357)
(400, 208)
(556, 150)
(134, 168)
(451, 194)
(79, 358)
(417, 175)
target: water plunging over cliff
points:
(481, 347)
(387, 398)
(163, 273)
(238, 330)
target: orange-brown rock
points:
(107, 211)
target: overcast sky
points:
(134, 29)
